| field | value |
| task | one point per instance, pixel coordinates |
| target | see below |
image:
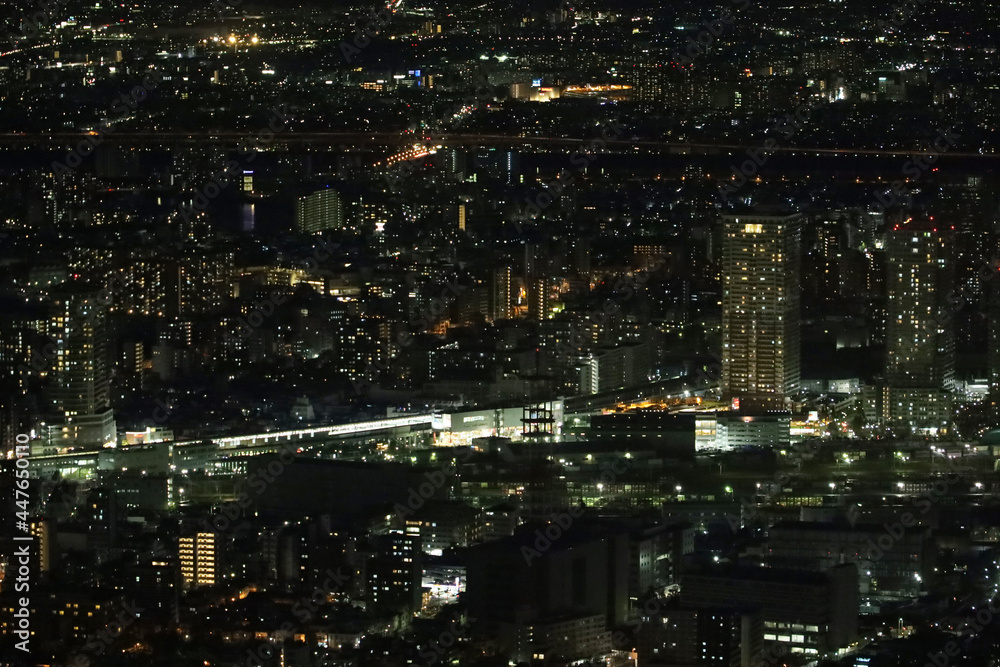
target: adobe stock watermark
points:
(306, 607)
(85, 315)
(581, 158)
(561, 522)
(438, 648)
(222, 6)
(712, 30)
(956, 299)
(923, 504)
(160, 415)
(436, 479)
(900, 14)
(264, 308)
(261, 311)
(31, 26)
(985, 616)
(555, 16)
(400, 172)
(23, 544)
(102, 641)
(482, 92)
(363, 35)
(625, 288)
(711, 373)
(257, 482)
(751, 511)
(121, 109)
(304, 610)
(47, 489)
(421, 322)
(916, 168)
(788, 127)
(655, 608)
(248, 149)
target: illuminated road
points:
(392, 140)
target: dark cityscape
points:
(618, 333)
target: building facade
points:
(320, 211)
(812, 614)
(760, 310)
(920, 340)
(199, 560)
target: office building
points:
(656, 553)
(920, 341)
(443, 525)
(992, 290)
(199, 560)
(896, 571)
(685, 635)
(156, 588)
(569, 637)
(760, 310)
(394, 573)
(530, 579)
(320, 211)
(81, 410)
(726, 431)
(920, 347)
(617, 368)
(672, 435)
(502, 301)
(499, 521)
(810, 613)
(62, 614)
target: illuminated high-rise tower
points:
(760, 310)
(80, 369)
(502, 301)
(920, 339)
(920, 343)
(320, 211)
(199, 559)
(993, 353)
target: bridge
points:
(395, 140)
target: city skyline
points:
(512, 334)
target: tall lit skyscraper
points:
(993, 353)
(967, 208)
(920, 340)
(920, 344)
(81, 372)
(760, 310)
(502, 286)
(319, 211)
